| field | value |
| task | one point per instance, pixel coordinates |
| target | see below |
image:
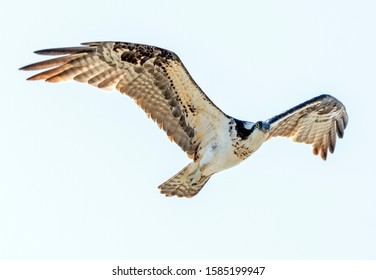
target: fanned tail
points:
(181, 184)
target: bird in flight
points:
(158, 82)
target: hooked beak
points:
(265, 126)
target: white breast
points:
(219, 155)
(223, 152)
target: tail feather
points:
(181, 186)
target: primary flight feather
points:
(158, 82)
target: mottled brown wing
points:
(317, 121)
(154, 78)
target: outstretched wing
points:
(317, 121)
(154, 78)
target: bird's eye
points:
(258, 124)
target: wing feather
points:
(154, 78)
(50, 73)
(317, 121)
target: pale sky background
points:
(79, 167)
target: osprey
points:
(158, 82)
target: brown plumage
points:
(151, 76)
(315, 122)
(159, 83)
(154, 78)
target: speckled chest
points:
(241, 149)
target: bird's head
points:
(252, 130)
(262, 126)
(260, 132)
(256, 134)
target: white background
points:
(79, 168)
(188, 269)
